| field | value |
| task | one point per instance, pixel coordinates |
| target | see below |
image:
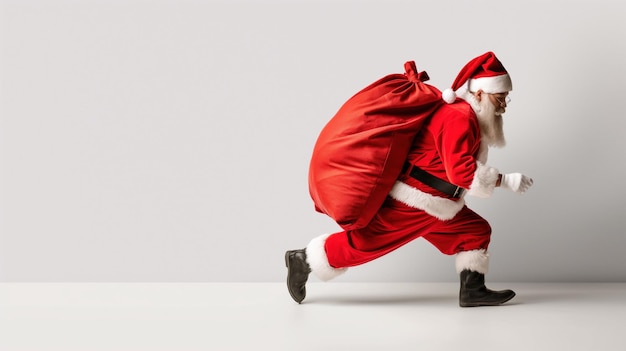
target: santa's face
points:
(489, 112)
(499, 101)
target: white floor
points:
(334, 316)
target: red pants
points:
(397, 224)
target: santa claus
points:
(447, 161)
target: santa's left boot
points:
(472, 267)
(312, 259)
(297, 273)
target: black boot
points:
(297, 273)
(475, 293)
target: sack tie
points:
(412, 73)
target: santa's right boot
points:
(472, 267)
(474, 293)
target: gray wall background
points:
(170, 140)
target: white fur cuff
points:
(484, 181)
(318, 261)
(475, 260)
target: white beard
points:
(490, 121)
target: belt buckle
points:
(457, 192)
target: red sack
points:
(360, 152)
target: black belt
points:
(433, 182)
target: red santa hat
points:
(485, 73)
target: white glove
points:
(517, 182)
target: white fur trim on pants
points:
(484, 181)
(474, 260)
(318, 261)
(435, 206)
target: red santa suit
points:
(448, 147)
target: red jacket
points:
(448, 147)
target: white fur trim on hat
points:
(484, 181)
(318, 261)
(474, 260)
(491, 85)
(435, 206)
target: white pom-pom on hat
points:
(448, 95)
